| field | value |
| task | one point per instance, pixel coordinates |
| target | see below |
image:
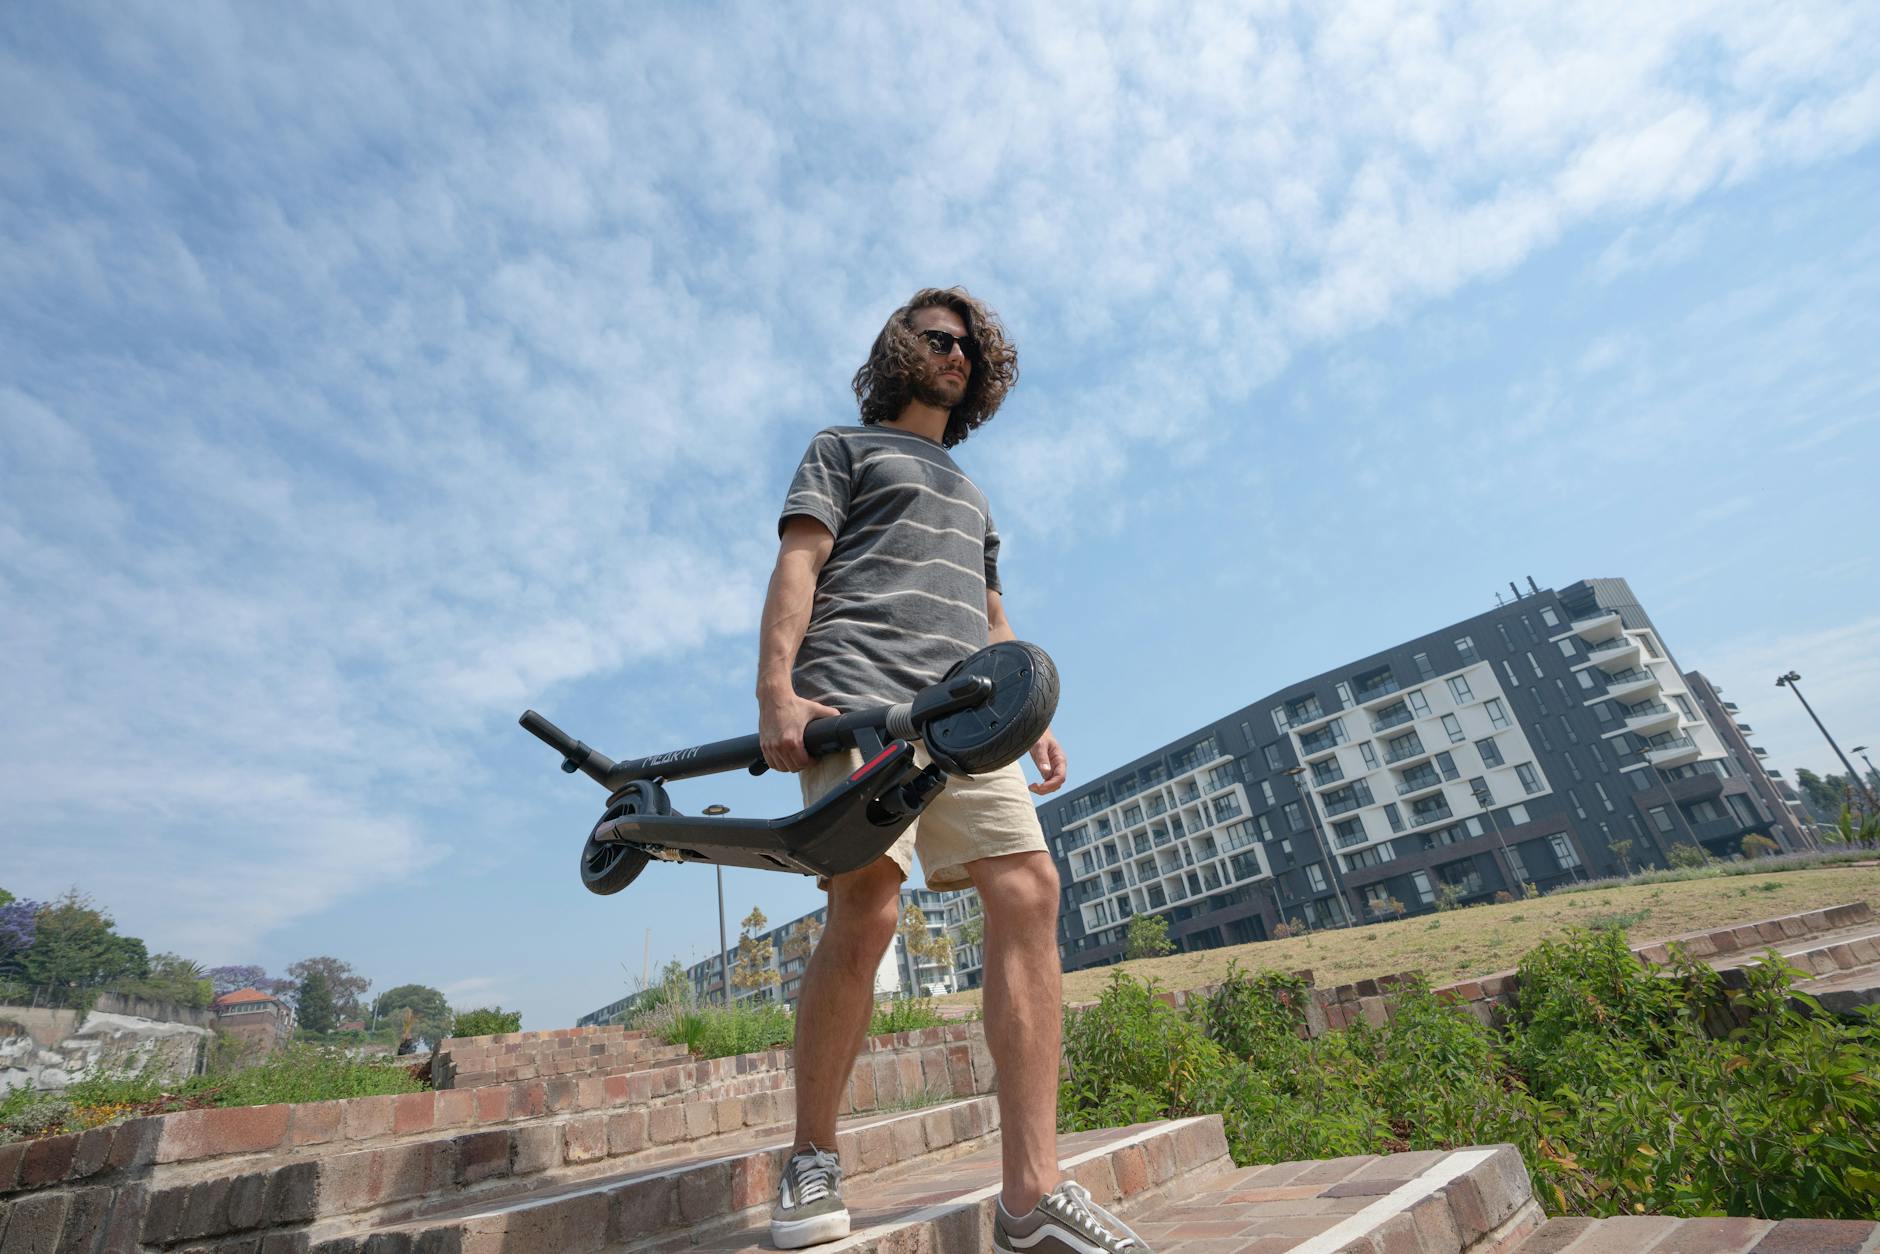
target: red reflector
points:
(875, 761)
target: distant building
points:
(792, 943)
(254, 1016)
(1552, 738)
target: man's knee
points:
(865, 905)
(1019, 886)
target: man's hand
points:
(781, 718)
(1048, 754)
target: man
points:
(888, 574)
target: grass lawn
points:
(1483, 939)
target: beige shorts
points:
(987, 816)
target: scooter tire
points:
(979, 741)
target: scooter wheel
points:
(608, 866)
(1025, 696)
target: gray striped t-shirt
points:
(903, 594)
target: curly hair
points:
(885, 383)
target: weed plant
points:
(746, 1028)
(299, 1073)
(1626, 1088)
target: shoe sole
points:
(794, 1234)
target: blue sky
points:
(367, 375)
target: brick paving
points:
(1652, 1234)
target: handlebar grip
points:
(549, 734)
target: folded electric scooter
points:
(983, 714)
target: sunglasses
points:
(942, 342)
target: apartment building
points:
(1726, 718)
(1551, 738)
(792, 943)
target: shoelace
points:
(1076, 1204)
(816, 1177)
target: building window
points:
(1602, 710)
(1279, 718)
(1453, 726)
(1573, 799)
(1266, 791)
(1490, 751)
(1396, 818)
(1315, 876)
(1573, 763)
(1540, 701)
(1275, 760)
(1459, 689)
(1295, 817)
(1566, 725)
(1529, 777)
(1566, 646)
(1661, 819)
(1585, 678)
(1540, 729)
(1549, 617)
(1424, 669)
(1446, 764)
(1684, 706)
(1603, 798)
(1369, 754)
(1420, 880)
(1349, 831)
(1528, 623)
(1418, 705)
(1533, 663)
(1465, 650)
(1497, 714)
(1563, 852)
(1599, 759)
(1516, 865)
(1483, 797)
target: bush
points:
(1685, 854)
(490, 1022)
(1148, 937)
(905, 1013)
(1755, 846)
(720, 1031)
(1607, 1075)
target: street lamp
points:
(1862, 750)
(1331, 859)
(724, 954)
(1793, 682)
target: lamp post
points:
(1793, 682)
(1862, 750)
(1331, 858)
(724, 954)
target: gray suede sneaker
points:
(1065, 1221)
(809, 1201)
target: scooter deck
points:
(844, 830)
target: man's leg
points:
(1024, 1015)
(839, 994)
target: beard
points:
(942, 391)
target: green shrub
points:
(905, 1013)
(491, 1022)
(1685, 854)
(1611, 1077)
(720, 1031)
(1148, 937)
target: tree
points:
(751, 968)
(346, 985)
(431, 1013)
(924, 944)
(802, 942)
(1622, 850)
(76, 951)
(314, 1006)
(18, 922)
(1755, 846)
(1148, 937)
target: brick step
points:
(681, 1197)
(946, 1207)
(1655, 1234)
(1427, 1202)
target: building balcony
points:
(1327, 773)
(1601, 626)
(1377, 691)
(1307, 716)
(1396, 716)
(1648, 718)
(1437, 815)
(1420, 784)
(1319, 742)
(1406, 753)
(1760, 752)
(1618, 654)
(1672, 751)
(1633, 685)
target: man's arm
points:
(1048, 754)
(781, 713)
